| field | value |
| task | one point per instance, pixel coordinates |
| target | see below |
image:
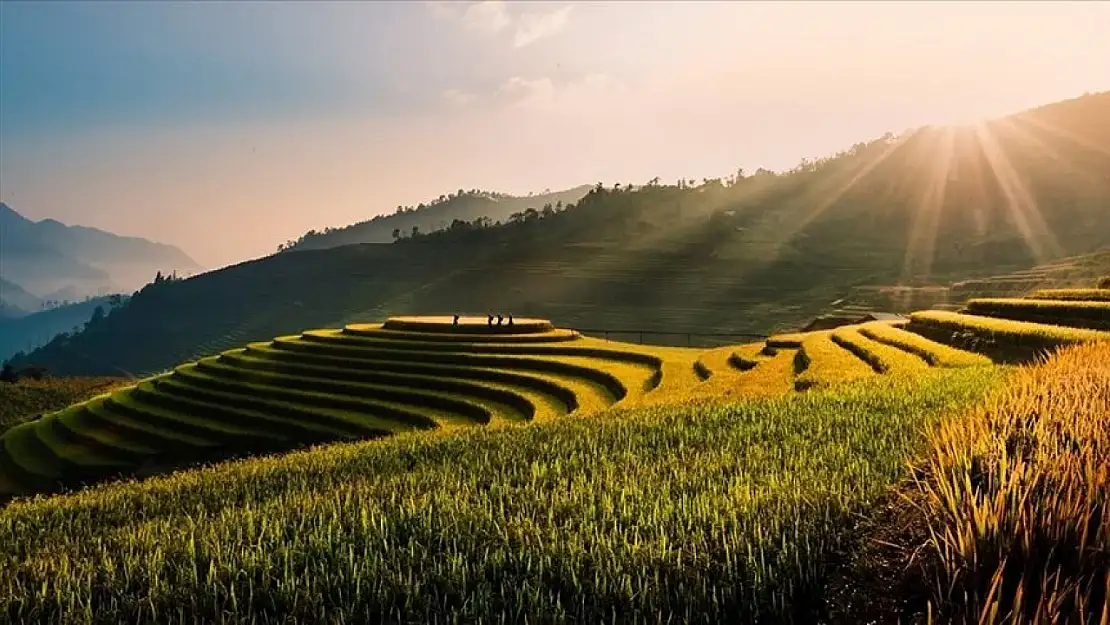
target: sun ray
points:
(921, 244)
(1065, 134)
(780, 237)
(1019, 201)
(1008, 126)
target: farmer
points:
(455, 322)
(499, 319)
(510, 320)
(489, 320)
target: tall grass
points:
(683, 513)
(1016, 496)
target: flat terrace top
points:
(468, 324)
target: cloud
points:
(442, 9)
(489, 16)
(535, 26)
(586, 95)
(458, 97)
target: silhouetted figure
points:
(500, 319)
(510, 320)
(489, 321)
(8, 374)
(455, 322)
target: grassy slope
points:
(771, 250)
(737, 513)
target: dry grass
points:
(1016, 498)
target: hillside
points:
(27, 332)
(435, 215)
(424, 373)
(754, 253)
(47, 256)
(15, 301)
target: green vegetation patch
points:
(27, 398)
(692, 512)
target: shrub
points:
(1104, 282)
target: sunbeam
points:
(1019, 201)
(780, 236)
(938, 154)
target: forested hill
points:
(747, 254)
(438, 214)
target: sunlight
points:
(1011, 127)
(939, 153)
(783, 230)
(1019, 201)
(1064, 134)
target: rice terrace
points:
(528, 471)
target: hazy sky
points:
(228, 128)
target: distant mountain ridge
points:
(15, 301)
(435, 215)
(756, 252)
(47, 257)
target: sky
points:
(228, 128)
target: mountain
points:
(435, 215)
(753, 253)
(47, 256)
(28, 332)
(15, 301)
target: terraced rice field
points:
(1069, 312)
(363, 381)
(429, 373)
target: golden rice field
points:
(529, 473)
(1015, 498)
(372, 380)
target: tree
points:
(396, 233)
(8, 374)
(97, 317)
